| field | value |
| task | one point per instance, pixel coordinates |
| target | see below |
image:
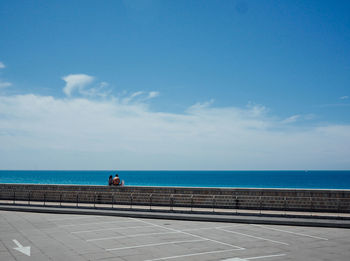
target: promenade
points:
(53, 232)
(57, 236)
(149, 224)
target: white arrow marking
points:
(22, 249)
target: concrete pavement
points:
(57, 236)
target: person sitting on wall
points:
(110, 180)
(116, 180)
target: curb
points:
(233, 218)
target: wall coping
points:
(175, 187)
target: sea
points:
(311, 179)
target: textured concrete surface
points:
(275, 218)
(92, 237)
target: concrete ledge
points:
(248, 219)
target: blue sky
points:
(237, 82)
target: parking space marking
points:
(70, 218)
(250, 258)
(94, 223)
(290, 232)
(107, 229)
(257, 257)
(206, 228)
(135, 235)
(143, 234)
(157, 244)
(194, 254)
(194, 235)
(266, 239)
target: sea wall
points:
(233, 198)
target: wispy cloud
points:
(298, 118)
(83, 85)
(152, 95)
(291, 119)
(344, 97)
(76, 82)
(47, 132)
(5, 84)
(140, 96)
(257, 109)
(97, 91)
(200, 105)
(122, 132)
(135, 94)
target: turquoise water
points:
(240, 179)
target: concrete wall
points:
(240, 198)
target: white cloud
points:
(2, 83)
(199, 106)
(135, 94)
(344, 97)
(98, 91)
(298, 118)
(131, 97)
(291, 119)
(76, 82)
(5, 84)
(140, 96)
(103, 84)
(81, 133)
(152, 95)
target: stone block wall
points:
(233, 198)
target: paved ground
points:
(81, 237)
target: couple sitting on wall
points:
(115, 181)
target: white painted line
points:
(234, 259)
(157, 244)
(136, 235)
(197, 229)
(238, 233)
(204, 238)
(206, 228)
(69, 218)
(93, 223)
(140, 235)
(107, 229)
(194, 254)
(22, 249)
(257, 257)
(249, 258)
(290, 232)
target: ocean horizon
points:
(293, 179)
